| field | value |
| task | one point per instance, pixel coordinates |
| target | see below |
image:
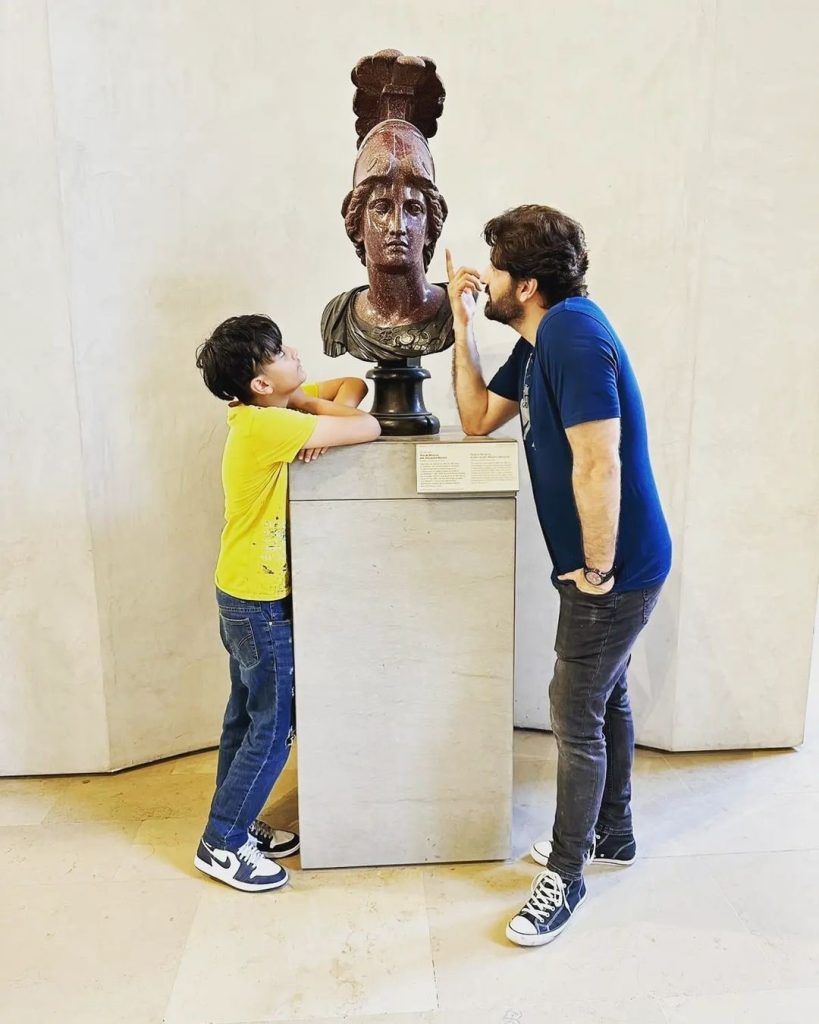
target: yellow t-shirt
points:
(262, 441)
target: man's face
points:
(502, 303)
(284, 373)
(394, 227)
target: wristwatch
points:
(596, 577)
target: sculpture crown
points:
(390, 85)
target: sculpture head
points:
(394, 213)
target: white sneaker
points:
(273, 842)
(246, 868)
(549, 909)
(605, 849)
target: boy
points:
(273, 419)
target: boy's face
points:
(280, 377)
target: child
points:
(272, 419)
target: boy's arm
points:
(324, 407)
(347, 391)
(343, 390)
(335, 425)
(339, 427)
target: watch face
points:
(593, 577)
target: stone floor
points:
(104, 920)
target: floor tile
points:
(535, 743)
(165, 847)
(425, 1017)
(715, 821)
(776, 895)
(662, 927)
(657, 788)
(28, 801)
(578, 1010)
(203, 763)
(92, 952)
(533, 808)
(132, 796)
(779, 1006)
(335, 943)
(282, 809)
(200, 763)
(742, 772)
(68, 853)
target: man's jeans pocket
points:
(650, 599)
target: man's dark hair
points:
(543, 243)
(235, 352)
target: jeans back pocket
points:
(239, 641)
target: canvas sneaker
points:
(272, 842)
(548, 910)
(605, 849)
(246, 868)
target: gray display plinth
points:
(404, 637)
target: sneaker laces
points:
(252, 855)
(548, 894)
(262, 830)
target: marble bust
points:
(394, 215)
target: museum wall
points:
(171, 164)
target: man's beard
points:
(505, 309)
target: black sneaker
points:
(272, 842)
(246, 868)
(548, 910)
(605, 849)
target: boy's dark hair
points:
(235, 352)
(543, 243)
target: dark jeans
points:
(591, 718)
(257, 731)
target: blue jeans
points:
(591, 718)
(257, 731)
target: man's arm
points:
(481, 410)
(596, 484)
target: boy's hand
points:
(310, 454)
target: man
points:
(584, 433)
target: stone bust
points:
(393, 215)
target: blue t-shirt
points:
(579, 371)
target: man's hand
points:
(464, 285)
(310, 454)
(577, 577)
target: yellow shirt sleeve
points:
(311, 389)
(278, 435)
